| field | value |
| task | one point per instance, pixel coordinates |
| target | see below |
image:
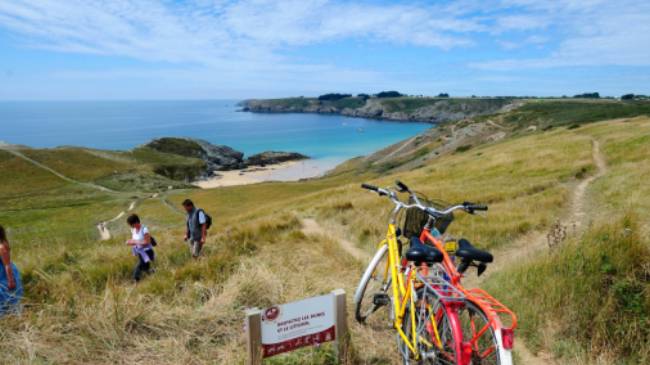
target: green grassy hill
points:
(586, 300)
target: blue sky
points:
(205, 49)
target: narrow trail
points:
(397, 150)
(578, 213)
(311, 226)
(534, 243)
(54, 172)
(102, 227)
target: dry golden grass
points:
(82, 307)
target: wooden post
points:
(254, 336)
(341, 314)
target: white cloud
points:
(595, 33)
(220, 33)
(255, 44)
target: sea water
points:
(122, 125)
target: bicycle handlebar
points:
(468, 207)
(376, 189)
(472, 207)
(402, 187)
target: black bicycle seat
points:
(420, 253)
(467, 251)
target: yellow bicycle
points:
(423, 305)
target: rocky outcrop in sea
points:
(273, 157)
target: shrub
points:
(177, 146)
(333, 97)
(596, 288)
(389, 94)
(594, 95)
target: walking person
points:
(197, 225)
(11, 288)
(142, 247)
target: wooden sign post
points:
(287, 327)
(254, 336)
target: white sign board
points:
(293, 325)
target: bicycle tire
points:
(363, 296)
(449, 330)
(489, 338)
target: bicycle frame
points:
(488, 304)
(403, 296)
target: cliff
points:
(407, 108)
(210, 157)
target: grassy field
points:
(550, 113)
(411, 104)
(81, 305)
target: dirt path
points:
(311, 226)
(578, 213)
(397, 150)
(54, 172)
(534, 243)
(102, 227)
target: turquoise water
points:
(122, 125)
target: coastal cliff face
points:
(415, 109)
(216, 157)
(201, 158)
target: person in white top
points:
(141, 247)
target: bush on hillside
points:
(588, 96)
(443, 95)
(333, 97)
(180, 172)
(596, 289)
(389, 94)
(177, 146)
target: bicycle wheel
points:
(481, 336)
(439, 339)
(372, 293)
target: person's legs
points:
(196, 248)
(140, 268)
(152, 257)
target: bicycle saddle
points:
(467, 251)
(420, 253)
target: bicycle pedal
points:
(380, 299)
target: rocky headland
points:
(219, 157)
(402, 108)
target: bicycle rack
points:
(489, 304)
(433, 279)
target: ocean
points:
(122, 125)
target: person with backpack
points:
(197, 225)
(11, 288)
(142, 247)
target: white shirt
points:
(202, 219)
(138, 236)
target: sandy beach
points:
(286, 171)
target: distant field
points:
(572, 112)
